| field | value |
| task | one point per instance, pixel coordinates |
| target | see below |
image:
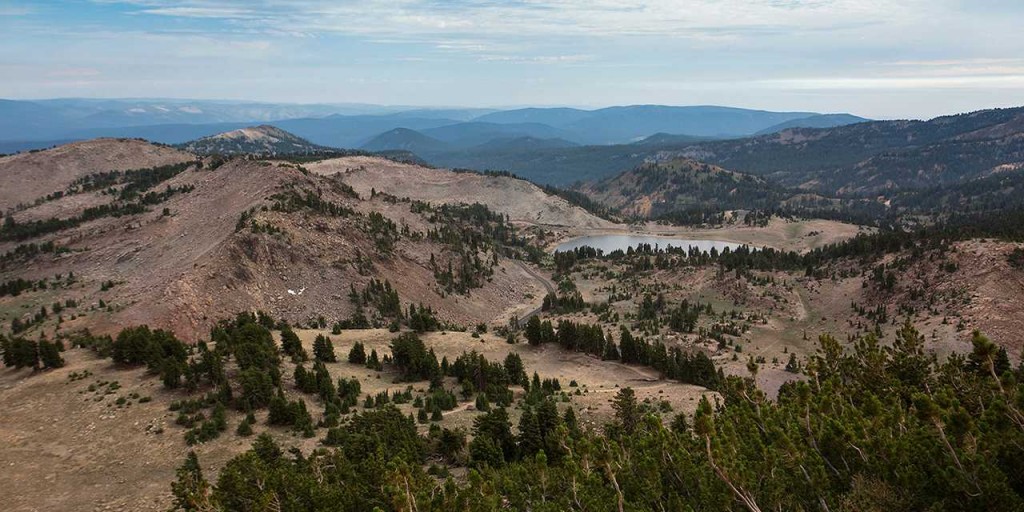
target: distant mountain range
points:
(834, 155)
(877, 157)
(35, 124)
(862, 159)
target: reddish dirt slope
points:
(522, 201)
(27, 176)
(191, 267)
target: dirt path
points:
(800, 306)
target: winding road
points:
(543, 280)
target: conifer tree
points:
(323, 349)
(191, 491)
(530, 439)
(49, 355)
(627, 411)
(358, 354)
(292, 346)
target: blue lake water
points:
(609, 243)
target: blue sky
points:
(882, 59)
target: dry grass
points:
(64, 447)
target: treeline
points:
(14, 287)
(566, 260)
(700, 216)
(19, 231)
(673, 363)
(20, 352)
(867, 247)
(876, 427)
(135, 180)
(563, 303)
(292, 201)
(24, 252)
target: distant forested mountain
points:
(356, 125)
(655, 189)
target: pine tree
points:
(244, 428)
(191, 491)
(323, 349)
(547, 418)
(628, 348)
(281, 413)
(611, 351)
(533, 331)
(679, 424)
(451, 443)
(358, 354)
(481, 403)
(531, 439)
(49, 355)
(570, 421)
(514, 368)
(793, 366)
(373, 362)
(7, 348)
(292, 346)
(627, 411)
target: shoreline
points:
(800, 236)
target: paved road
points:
(547, 286)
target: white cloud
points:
(74, 73)
(900, 83)
(554, 18)
(15, 10)
(797, 54)
(201, 12)
(537, 59)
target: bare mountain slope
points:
(521, 200)
(255, 140)
(28, 176)
(259, 235)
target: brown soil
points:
(522, 201)
(28, 176)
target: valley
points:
(255, 291)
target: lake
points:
(610, 243)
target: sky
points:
(875, 58)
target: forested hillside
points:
(653, 190)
